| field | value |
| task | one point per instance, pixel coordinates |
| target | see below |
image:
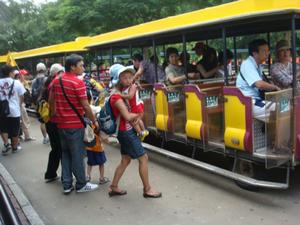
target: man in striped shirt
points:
(71, 129)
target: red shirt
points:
(124, 125)
(75, 90)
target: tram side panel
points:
(238, 120)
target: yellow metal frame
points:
(235, 122)
(162, 111)
(194, 117)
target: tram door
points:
(177, 113)
(215, 117)
(279, 127)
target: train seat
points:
(238, 120)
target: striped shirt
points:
(75, 90)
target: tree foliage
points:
(26, 26)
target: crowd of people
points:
(74, 96)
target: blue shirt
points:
(251, 73)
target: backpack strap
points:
(118, 120)
(11, 90)
(71, 105)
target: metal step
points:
(217, 170)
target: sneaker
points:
(45, 140)
(30, 139)
(88, 187)
(144, 134)
(6, 149)
(69, 190)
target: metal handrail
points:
(8, 212)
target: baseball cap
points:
(41, 67)
(24, 72)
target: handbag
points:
(4, 104)
(89, 138)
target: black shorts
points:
(10, 126)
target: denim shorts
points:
(130, 144)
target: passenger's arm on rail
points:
(139, 73)
(176, 80)
(120, 105)
(266, 86)
(207, 74)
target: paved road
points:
(190, 196)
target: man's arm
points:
(87, 110)
(266, 86)
(139, 73)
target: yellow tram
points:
(213, 114)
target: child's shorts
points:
(95, 158)
(130, 144)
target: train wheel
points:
(247, 169)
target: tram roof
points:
(234, 11)
(3, 58)
(67, 47)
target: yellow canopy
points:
(3, 58)
(226, 12)
(73, 46)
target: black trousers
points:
(55, 153)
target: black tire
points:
(248, 169)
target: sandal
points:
(112, 192)
(104, 180)
(155, 194)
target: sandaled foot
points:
(114, 191)
(103, 180)
(152, 194)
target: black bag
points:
(4, 104)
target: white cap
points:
(41, 67)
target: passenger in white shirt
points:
(12, 91)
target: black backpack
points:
(36, 88)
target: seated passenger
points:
(174, 72)
(199, 48)
(229, 56)
(208, 65)
(250, 79)
(190, 67)
(160, 71)
(282, 70)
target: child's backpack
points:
(106, 119)
(43, 110)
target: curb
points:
(24, 203)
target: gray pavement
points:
(190, 196)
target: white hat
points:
(56, 68)
(41, 67)
(115, 71)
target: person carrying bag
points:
(89, 136)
